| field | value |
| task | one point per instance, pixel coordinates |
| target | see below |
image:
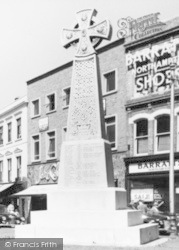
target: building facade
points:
(13, 148)
(152, 64)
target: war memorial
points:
(88, 208)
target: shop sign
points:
(145, 26)
(153, 166)
(145, 194)
(140, 27)
(151, 67)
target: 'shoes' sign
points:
(151, 67)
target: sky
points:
(30, 34)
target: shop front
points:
(147, 179)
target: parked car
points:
(4, 216)
(9, 220)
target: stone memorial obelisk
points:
(86, 208)
(86, 155)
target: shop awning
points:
(5, 186)
(37, 190)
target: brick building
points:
(48, 97)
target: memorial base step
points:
(88, 219)
(126, 236)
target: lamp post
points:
(172, 158)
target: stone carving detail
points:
(43, 174)
(82, 121)
(85, 31)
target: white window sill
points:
(162, 152)
(110, 92)
(51, 159)
(65, 107)
(8, 143)
(36, 161)
(114, 149)
(51, 111)
(18, 139)
(144, 154)
(35, 116)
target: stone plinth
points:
(108, 199)
(86, 164)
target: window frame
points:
(19, 137)
(136, 138)
(156, 135)
(1, 144)
(1, 170)
(9, 132)
(19, 167)
(108, 117)
(32, 108)
(65, 105)
(48, 103)
(32, 148)
(104, 82)
(9, 169)
(47, 144)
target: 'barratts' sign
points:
(155, 166)
(151, 67)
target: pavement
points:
(163, 243)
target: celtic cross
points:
(85, 31)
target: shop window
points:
(18, 166)
(109, 82)
(39, 203)
(110, 123)
(35, 108)
(1, 171)
(141, 136)
(9, 164)
(51, 103)
(18, 128)
(66, 96)
(9, 131)
(36, 148)
(1, 135)
(51, 145)
(163, 133)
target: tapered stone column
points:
(86, 159)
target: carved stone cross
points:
(85, 31)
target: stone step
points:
(127, 236)
(89, 219)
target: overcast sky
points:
(30, 33)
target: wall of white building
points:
(17, 147)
